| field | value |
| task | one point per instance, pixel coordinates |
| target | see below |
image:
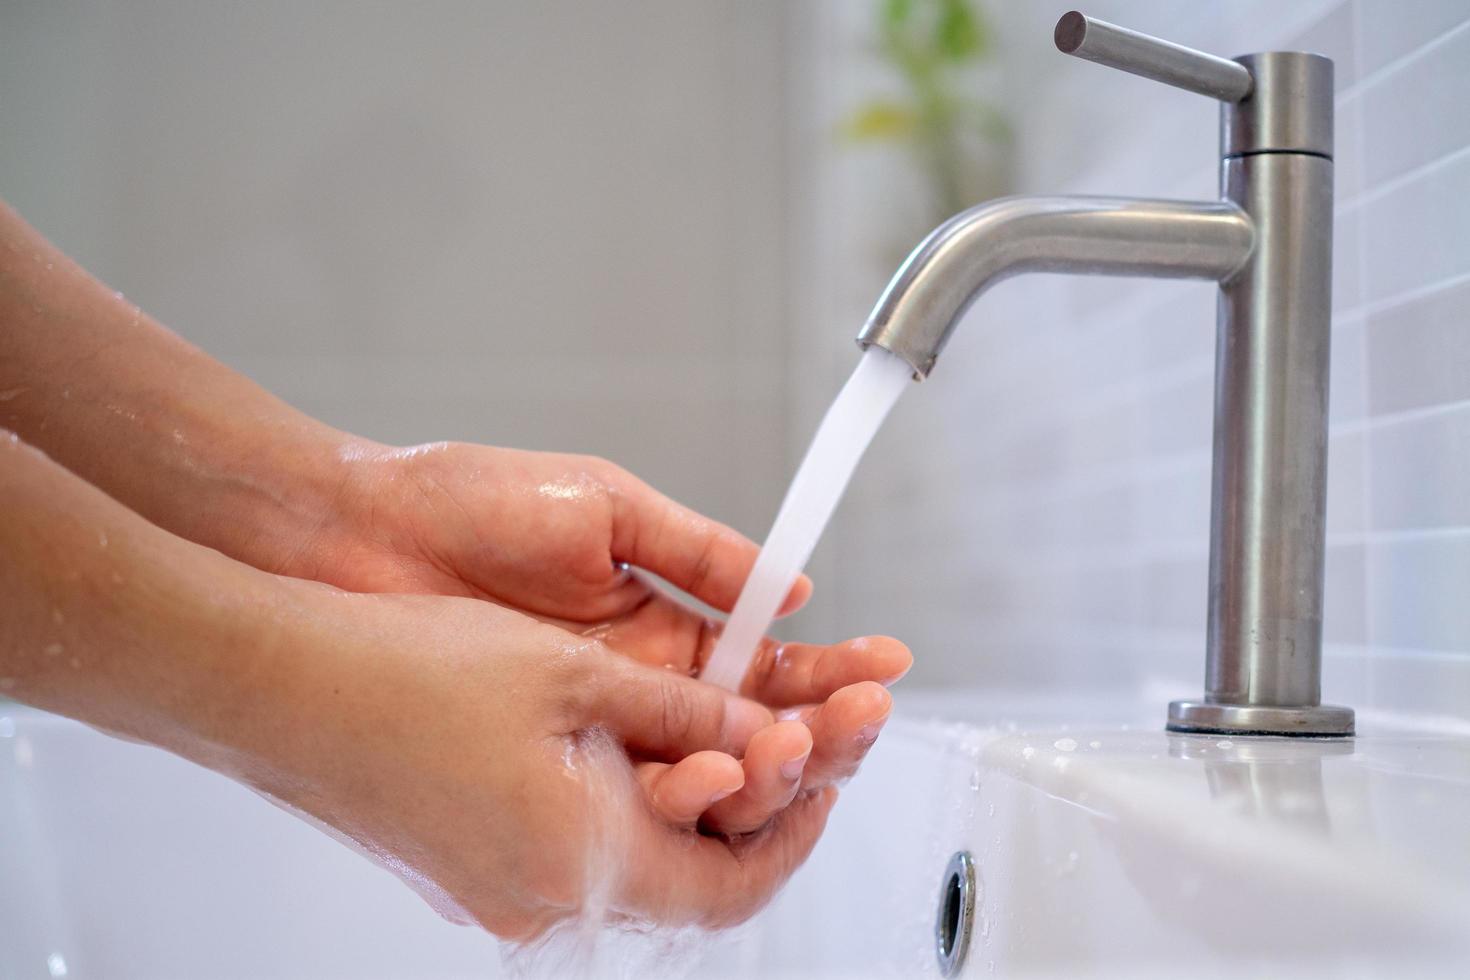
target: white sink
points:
(1104, 847)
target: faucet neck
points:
(963, 257)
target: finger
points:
(773, 766)
(843, 730)
(682, 792)
(803, 673)
(665, 715)
(701, 556)
(684, 878)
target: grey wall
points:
(552, 225)
(1038, 511)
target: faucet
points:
(1268, 243)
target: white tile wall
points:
(1038, 511)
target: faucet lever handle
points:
(1152, 57)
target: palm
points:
(556, 537)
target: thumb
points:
(701, 556)
(665, 715)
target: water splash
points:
(844, 434)
(598, 940)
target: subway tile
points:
(1418, 113)
(1417, 590)
(1419, 472)
(1388, 30)
(1347, 150)
(1346, 489)
(1436, 684)
(1347, 279)
(1348, 398)
(1344, 619)
(1419, 352)
(1056, 509)
(1416, 235)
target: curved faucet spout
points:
(1098, 235)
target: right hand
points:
(483, 756)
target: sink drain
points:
(956, 914)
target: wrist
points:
(283, 504)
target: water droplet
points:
(1065, 745)
(1095, 744)
(990, 809)
(1224, 743)
(1027, 753)
(55, 963)
(975, 781)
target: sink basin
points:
(1103, 846)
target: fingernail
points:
(721, 794)
(869, 732)
(895, 678)
(791, 768)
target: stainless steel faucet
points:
(1268, 242)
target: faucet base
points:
(1210, 718)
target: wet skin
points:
(230, 623)
(554, 536)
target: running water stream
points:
(844, 434)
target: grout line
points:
(1397, 182)
(1100, 558)
(1415, 294)
(1373, 423)
(1393, 67)
(1391, 535)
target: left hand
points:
(554, 536)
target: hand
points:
(479, 754)
(552, 534)
(555, 535)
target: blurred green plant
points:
(930, 43)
